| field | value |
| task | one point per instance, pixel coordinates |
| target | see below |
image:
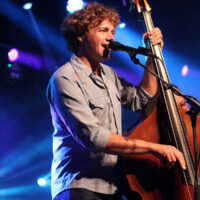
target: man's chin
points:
(106, 55)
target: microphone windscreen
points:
(114, 45)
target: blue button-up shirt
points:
(85, 108)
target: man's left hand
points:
(155, 36)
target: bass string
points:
(149, 26)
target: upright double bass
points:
(166, 123)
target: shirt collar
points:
(82, 70)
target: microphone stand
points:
(193, 112)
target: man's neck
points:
(91, 64)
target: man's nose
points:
(110, 37)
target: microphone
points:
(116, 46)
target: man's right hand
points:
(170, 154)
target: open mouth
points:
(106, 47)
(107, 51)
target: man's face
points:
(97, 40)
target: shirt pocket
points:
(97, 102)
(99, 106)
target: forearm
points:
(149, 82)
(120, 145)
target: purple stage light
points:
(184, 70)
(124, 3)
(31, 60)
(13, 55)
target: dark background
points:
(25, 122)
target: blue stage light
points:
(122, 25)
(41, 182)
(74, 5)
(184, 70)
(45, 180)
(27, 6)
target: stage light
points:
(184, 70)
(16, 73)
(122, 25)
(9, 65)
(13, 55)
(45, 180)
(27, 6)
(124, 3)
(41, 182)
(74, 5)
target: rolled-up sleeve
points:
(71, 106)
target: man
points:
(85, 98)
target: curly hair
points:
(80, 22)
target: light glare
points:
(41, 182)
(74, 5)
(13, 55)
(184, 70)
(27, 6)
(122, 25)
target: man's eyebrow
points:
(105, 27)
(102, 27)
